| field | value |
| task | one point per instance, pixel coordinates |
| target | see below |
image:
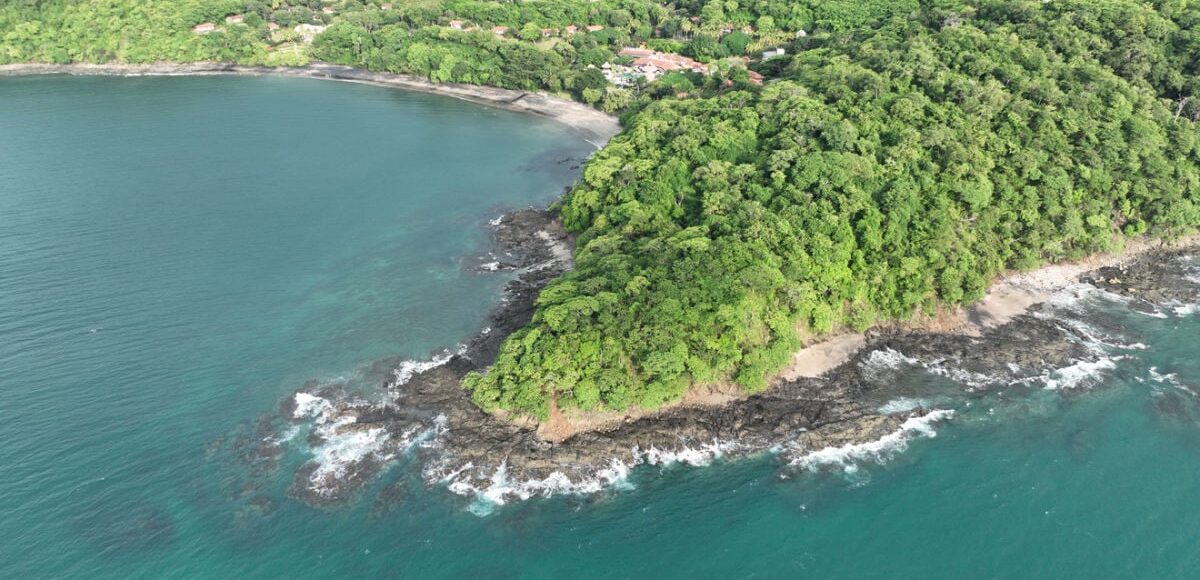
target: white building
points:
(774, 53)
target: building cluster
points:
(643, 64)
(649, 64)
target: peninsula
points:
(784, 173)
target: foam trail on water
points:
(694, 456)
(501, 490)
(1082, 373)
(410, 368)
(881, 450)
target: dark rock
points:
(840, 408)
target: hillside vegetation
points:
(895, 167)
(899, 157)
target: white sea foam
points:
(1170, 379)
(310, 406)
(902, 405)
(410, 368)
(847, 457)
(1075, 297)
(962, 376)
(500, 489)
(879, 364)
(289, 434)
(888, 358)
(694, 456)
(341, 450)
(496, 221)
(492, 490)
(343, 447)
(1186, 309)
(490, 266)
(1082, 373)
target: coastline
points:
(855, 409)
(595, 126)
(818, 404)
(1011, 295)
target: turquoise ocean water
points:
(178, 254)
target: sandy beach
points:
(1009, 296)
(596, 126)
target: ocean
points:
(178, 255)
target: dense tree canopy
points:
(898, 167)
(902, 154)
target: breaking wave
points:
(410, 368)
(848, 457)
(501, 490)
(1082, 373)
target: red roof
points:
(636, 52)
(662, 60)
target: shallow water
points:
(178, 254)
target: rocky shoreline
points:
(805, 421)
(843, 409)
(595, 126)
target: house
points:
(204, 28)
(649, 65)
(595, 28)
(664, 61)
(660, 64)
(308, 32)
(272, 26)
(801, 33)
(387, 6)
(456, 24)
(755, 78)
(328, 10)
(636, 52)
(773, 53)
(548, 32)
(235, 19)
(499, 30)
(571, 28)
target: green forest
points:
(898, 158)
(894, 167)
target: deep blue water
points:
(176, 255)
